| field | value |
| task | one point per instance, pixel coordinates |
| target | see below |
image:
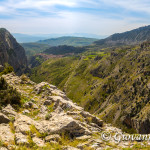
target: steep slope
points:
(48, 120)
(113, 83)
(127, 38)
(68, 40)
(11, 52)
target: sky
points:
(101, 17)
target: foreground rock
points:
(5, 134)
(49, 119)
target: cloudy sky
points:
(102, 17)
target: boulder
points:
(22, 123)
(64, 104)
(60, 123)
(21, 139)
(4, 118)
(26, 111)
(54, 137)
(5, 133)
(42, 87)
(9, 111)
(39, 142)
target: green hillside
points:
(68, 40)
(64, 49)
(113, 83)
(34, 48)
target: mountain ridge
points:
(132, 37)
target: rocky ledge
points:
(49, 119)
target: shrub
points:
(8, 95)
(7, 69)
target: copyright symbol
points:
(106, 136)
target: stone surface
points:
(26, 111)
(54, 137)
(22, 123)
(60, 123)
(9, 111)
(5, 133)
(39, 142)
(21, 139)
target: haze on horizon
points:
(101, 17)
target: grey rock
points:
(54, 137)
(39, 142)
(21, 139)
(5, 133)
(9, 111)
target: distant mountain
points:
(11, 52)
(135, 36)
(24, 38)
(68, 40)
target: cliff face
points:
(11, 52)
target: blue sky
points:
(102, 17)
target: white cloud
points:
(132, 5)
(64, 21)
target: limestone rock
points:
(60, 123)
(9, 111)
(22, 123)
(39, 142)
(4, 118)
(5, 134)
(26, 111)
(54, 137)
(21, 139)
(41, 87)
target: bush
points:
(8, 95)
(7, 69)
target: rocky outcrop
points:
(56, 121)
(11, 52)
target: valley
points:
(110, 83)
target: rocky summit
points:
(48, 119)
(11, 52)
